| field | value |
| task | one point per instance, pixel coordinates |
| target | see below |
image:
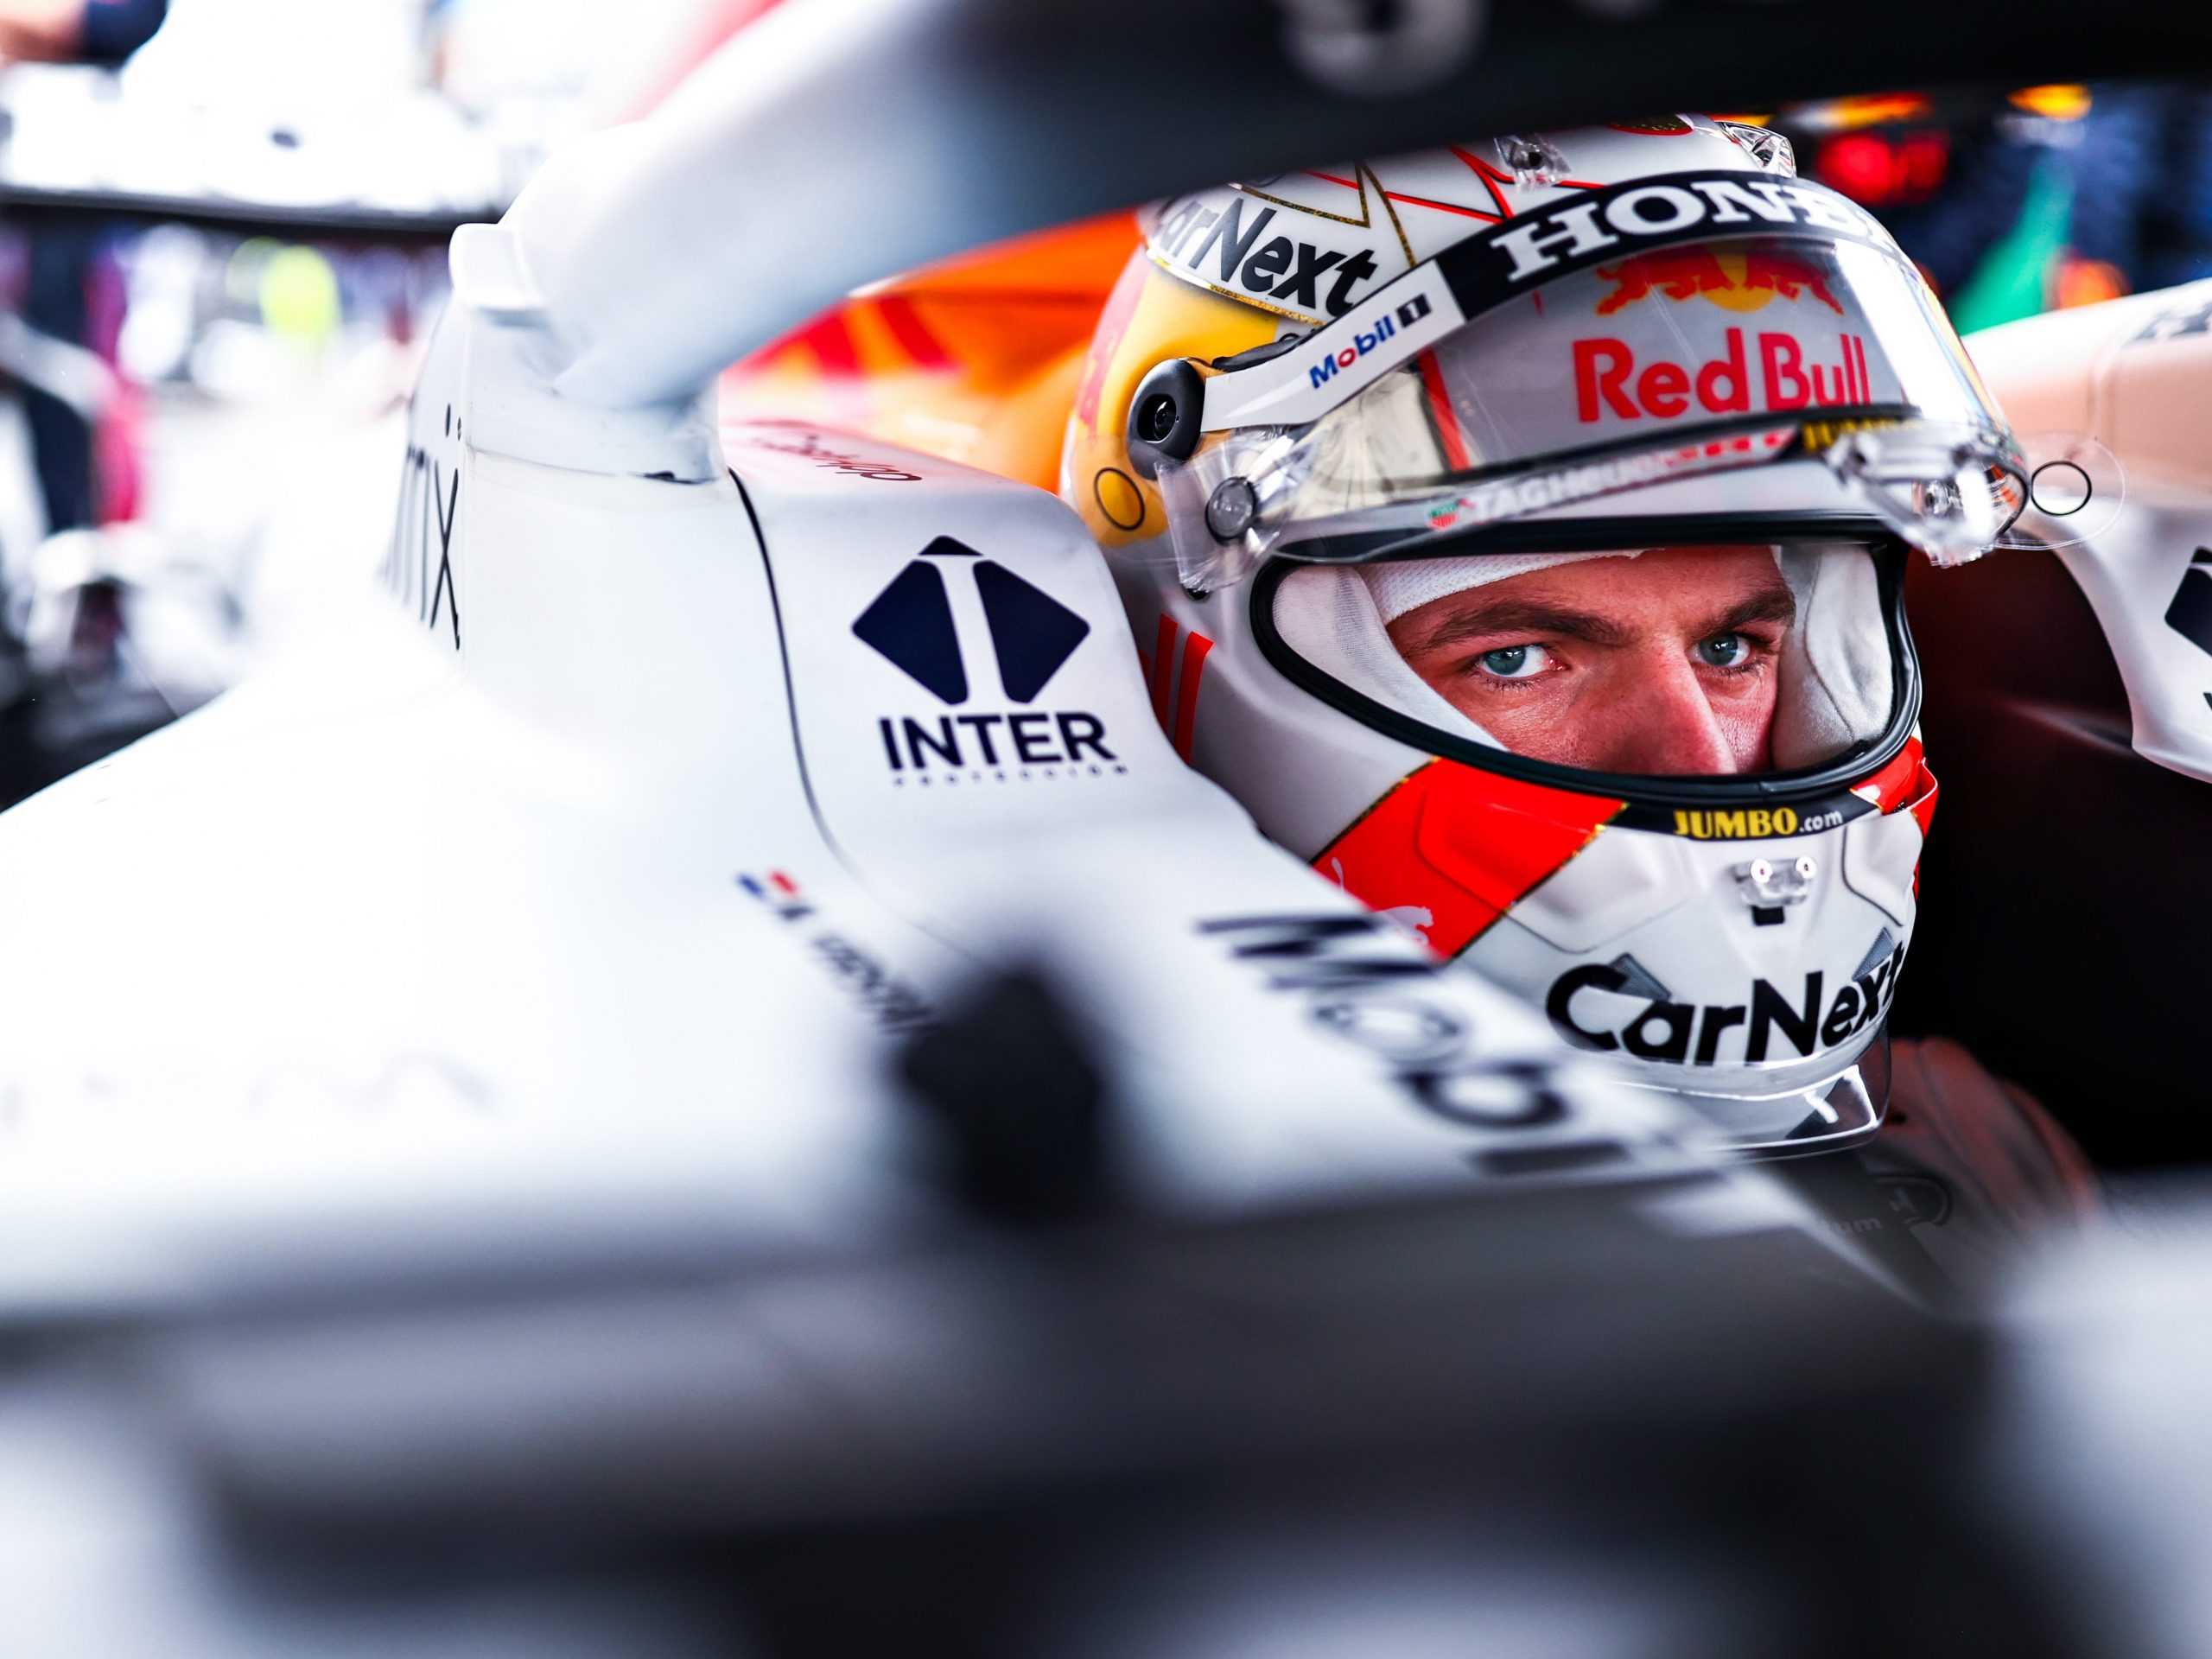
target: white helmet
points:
(1518, 532)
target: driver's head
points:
(1571, 638)
(1665, 661)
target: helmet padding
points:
(1327, 615)
(1837, 677)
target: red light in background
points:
(1879, 171)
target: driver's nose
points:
(1669, 726)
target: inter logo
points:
(1032, 635)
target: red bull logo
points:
(1771, 372)
(1735, 282)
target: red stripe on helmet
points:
(1195, 647)
(1463, 844)
(1922, 805)
(1440, 411)
(1443, 207)
(1493, 177)
(1163, 669)
(1902, 782)
(1904, 785)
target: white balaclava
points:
(1835, 670)
(1411, 583)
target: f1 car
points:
(562, 914)
(678, 778)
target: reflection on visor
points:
(1668, 341)
(1726, 353)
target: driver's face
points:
(1661, 663)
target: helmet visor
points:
(1687, 358)
(1711, 661)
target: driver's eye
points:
(1724, 650)
(1513, 662)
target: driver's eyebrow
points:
(1533, 618)
(1775, 604)
(1524, 616)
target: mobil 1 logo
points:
(1028, 638)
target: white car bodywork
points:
(568, 886)
(2131, 375)
(578, 888)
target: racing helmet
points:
(1518, 532)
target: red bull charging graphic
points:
(1735, 282)
(1766, 370)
